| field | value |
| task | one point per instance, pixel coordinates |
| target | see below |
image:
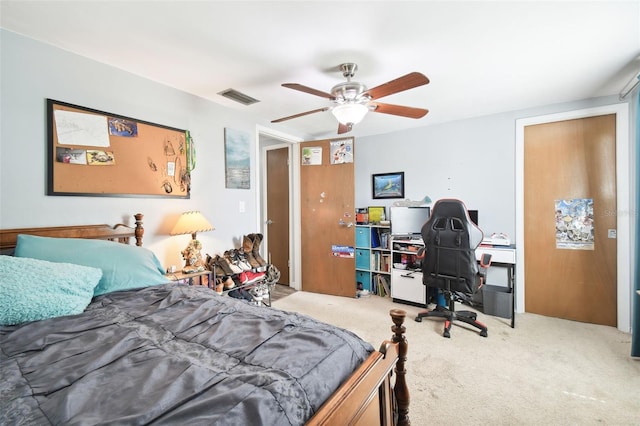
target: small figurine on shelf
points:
(191, 223)
(193, 258)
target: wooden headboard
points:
(120, 233)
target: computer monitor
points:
(473, 214)
(408, 220)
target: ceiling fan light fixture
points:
(350, 113)
(351, 100)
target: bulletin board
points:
(95, 153)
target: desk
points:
(503, 256)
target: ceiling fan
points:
(350, 101)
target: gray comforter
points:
(172, 354)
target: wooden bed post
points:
(139, 232)
(401, 390)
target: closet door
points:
(565, 161)
(326, 208)
(278, 220)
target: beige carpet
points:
(545, 371)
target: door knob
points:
(269, 222)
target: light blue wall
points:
(473, 160)
(32, 71)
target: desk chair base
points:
(450, 315)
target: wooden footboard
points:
(369, 397)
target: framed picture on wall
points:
(388, 185)
(237, 159)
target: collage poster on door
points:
(574, 224)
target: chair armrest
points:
(485, 260)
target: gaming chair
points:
(449, 263)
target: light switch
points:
(241, 207)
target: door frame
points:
(290, 142)
(623, 212)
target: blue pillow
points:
(123, 266)
(32, 289)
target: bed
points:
(151, 352)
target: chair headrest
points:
(451, 208)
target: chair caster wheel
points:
(446, 334)
(484, 333)
(418, 319)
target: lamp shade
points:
(190, 223)
(350, 113)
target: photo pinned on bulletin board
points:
(71, 156)
(100, 158)
(123, 127)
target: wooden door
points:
(326, 208)
(277, 223)
(569, 160)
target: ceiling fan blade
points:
(306, 89)
(344, 128)
(300, 115)
(400, 84)
(400, 110)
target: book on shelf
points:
(381, 262)
(376, 214)
(362, 216)
(375, 238)
(384, 240)
(380, 238)
(381, 286)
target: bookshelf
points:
(373, 259)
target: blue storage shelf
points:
(363, 236)
(363, 259)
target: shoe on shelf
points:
(222, 267)
(257, 240)
(229, 283)
(219, 287)
(236, 280)
(264, 289)
(212, 265)
(230, 261)
(272, 275)
(242, 294)
(249, 277)
(247, 249)
(240, 260)
(257, 292)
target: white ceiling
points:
(481, 57)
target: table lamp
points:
(191, 223)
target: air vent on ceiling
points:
(234, 95)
